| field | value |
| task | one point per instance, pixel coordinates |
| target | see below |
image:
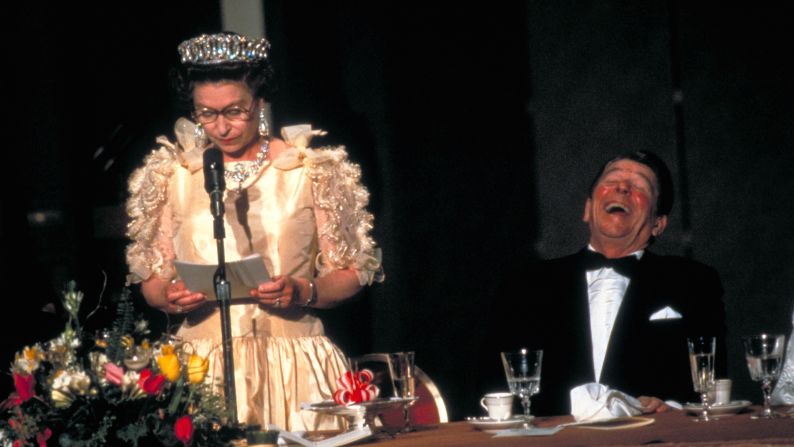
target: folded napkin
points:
(594, 401)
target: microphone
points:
(215, 184)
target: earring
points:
(199, 137)
(263, 129)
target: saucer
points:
(719, 409)
(487, 424)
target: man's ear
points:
(659, 225)
(587, 208)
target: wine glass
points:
(764, 354)
(701, 362)
(522, 369)
(401, 368)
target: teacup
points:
(498, 405)
(722, 391)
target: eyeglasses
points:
(231, 113)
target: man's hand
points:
(653, 405)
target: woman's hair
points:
(258, 75)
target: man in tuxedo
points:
(614, 312)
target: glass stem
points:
(767, 389)
(704, 397)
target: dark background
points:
(478, 129)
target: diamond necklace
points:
(240, 172)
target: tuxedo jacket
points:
(550, 310)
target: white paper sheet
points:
(242, 275)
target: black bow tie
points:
(594, 261)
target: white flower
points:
(130, 386)
(29, 358)
(68, 338)
(80, 382)
(5, 441)
(142, 327)
(72, 300)
(60, 380)
(71, 381)
(98, 360)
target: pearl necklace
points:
(240, 172)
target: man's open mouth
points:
(614, 208)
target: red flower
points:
(12, 401)
(151, 384)
(42, 437)
(25, 384)
(18, 443)
(184, 429)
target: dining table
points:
(675, 427)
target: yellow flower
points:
(61, 399)
(197, 368)
(127, 341)
(169, 364)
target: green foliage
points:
(122, 326)
(133, 432)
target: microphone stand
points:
(223, 293)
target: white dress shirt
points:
(605, 290)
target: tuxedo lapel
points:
(626, 337)
(580, 314)
(563, 315)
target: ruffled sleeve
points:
(150, 226)
(339, 194)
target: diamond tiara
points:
(210, 49)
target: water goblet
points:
(701, 362)
(522, 369)
(401, 368)
(764, 354)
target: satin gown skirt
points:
(275, 375)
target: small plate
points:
(361, 414)
(487, 424)
(719, 409)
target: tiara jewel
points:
(209, 49)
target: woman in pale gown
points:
(301, 209)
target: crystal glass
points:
(764, 354)
(522, 369)
(401, 369)
(701, 362)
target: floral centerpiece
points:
(115, 388)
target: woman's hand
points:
(181, 300)
(280, 292)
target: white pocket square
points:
(668, 313)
